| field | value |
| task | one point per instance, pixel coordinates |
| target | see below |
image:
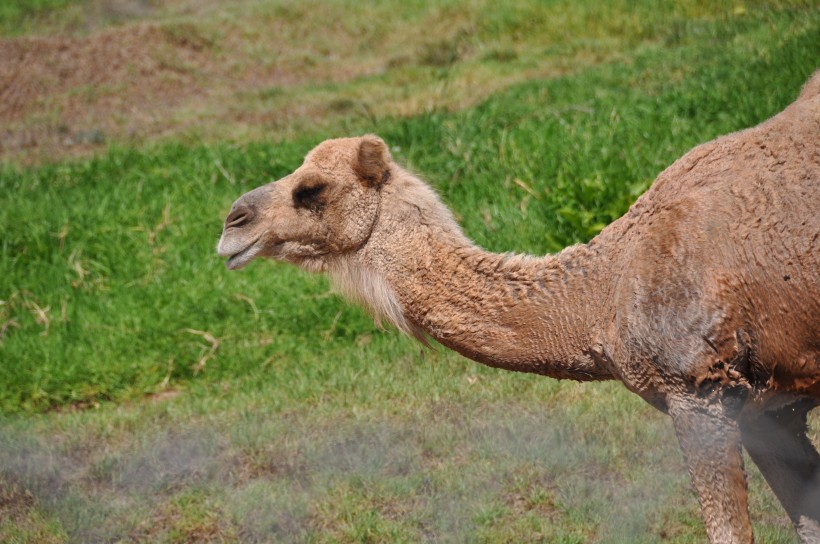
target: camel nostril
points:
(238, 217)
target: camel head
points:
(326, 208)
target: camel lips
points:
(242, 258)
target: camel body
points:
(704, 299)
(718, 265)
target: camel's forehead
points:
(331, 154)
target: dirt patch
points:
(529, 489)
(191, 519)
(65, 95)
(67, 92)
(19, 516)
(15, 500)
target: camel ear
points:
(372, 161)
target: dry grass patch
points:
(20, 517)
(187, 518)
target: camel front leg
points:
(711, 446)
(777, 443)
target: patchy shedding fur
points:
(704, 299)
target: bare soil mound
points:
(58, 93)
(67, 95)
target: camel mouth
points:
(241, 258)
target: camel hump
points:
(811, 88)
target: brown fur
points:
(703, 298)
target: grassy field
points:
(150, 395)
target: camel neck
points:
(529, 314)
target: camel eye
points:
(310, 195)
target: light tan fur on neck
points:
(368, 288)
(494, 308)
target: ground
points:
(148, 394)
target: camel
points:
(703, 298)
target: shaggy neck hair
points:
(368, 288)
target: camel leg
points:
(777, 443)
(711, 446)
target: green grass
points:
(18, 16)
(288, 414)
